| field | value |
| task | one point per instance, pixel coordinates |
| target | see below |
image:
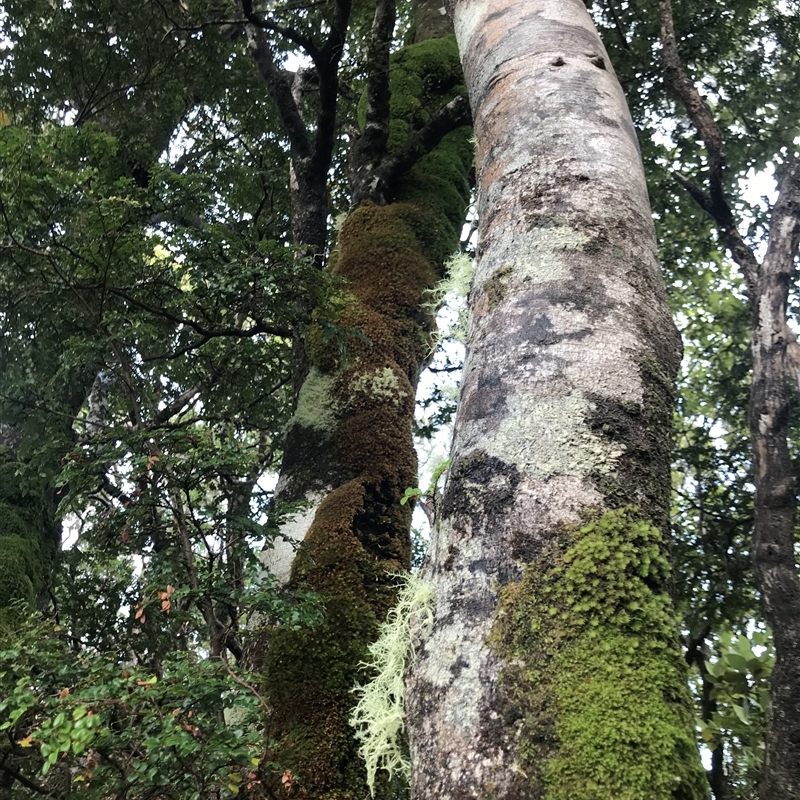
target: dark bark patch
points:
(482, 482)
(643, 469)
(309, 460)
(487, 399)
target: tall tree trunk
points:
(349, 452)
(553, 668)
(775, 504)
(776, 363)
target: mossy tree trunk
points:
(29, 535)
(349, 452)
(553, 668)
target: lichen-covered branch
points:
(776, 361)
(775, 506)
(279, 86)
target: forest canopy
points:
(220, 240)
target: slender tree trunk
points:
(775, 504)
(553, 668)
(776, 363)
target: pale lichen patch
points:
(277, 559)
(381, 384)
(466, 19)
(535, 256)
(548, 436)
(316, 404)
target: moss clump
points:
(21, 567)
(595, 672)
(351, 563)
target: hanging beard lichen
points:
(379, 716)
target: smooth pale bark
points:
(564, 416)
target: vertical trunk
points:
(774, 551)
(349, 451)
(29, 535)
(776, 360)
(553, 668)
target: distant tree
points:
(776, 365)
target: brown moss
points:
(496, 288)
(350, 561)
(389, 257)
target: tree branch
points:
(328, 72)
(448, 118)
(27, 782)
(681, 84)
(782, 247)
(206, 334)
(370, 146)
(714, 201)
(379, 184)
(292, 34)
(279, 88)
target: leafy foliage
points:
(148, 299)
(105, 729)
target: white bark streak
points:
(278, 558)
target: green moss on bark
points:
(595, 676)
(21, 558)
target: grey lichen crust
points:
(316, 403)
(545, 436)
(381, 384)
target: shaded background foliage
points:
(743, 57)
(149, 296)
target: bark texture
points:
(553, 669)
